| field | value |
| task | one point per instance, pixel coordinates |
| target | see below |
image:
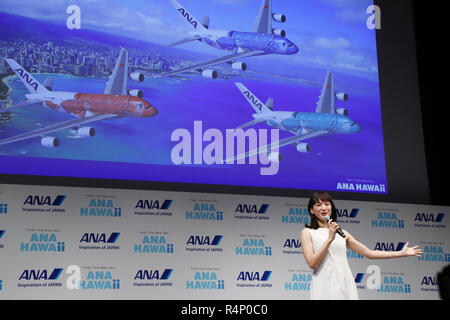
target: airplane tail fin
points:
(30, 83)
(257, 104)
(190, 19)
(205, 22)
(326, 99)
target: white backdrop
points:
(137, 244)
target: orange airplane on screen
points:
(115, 102)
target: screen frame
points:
(406, 166)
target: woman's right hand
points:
(332, 228)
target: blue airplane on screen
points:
(304, 125)
(262, 41)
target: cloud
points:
(343, 3)
(232, 2)
(351, 15)
(335, 44)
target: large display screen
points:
(197, 92)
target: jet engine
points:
(239, 66)
(341, 96)
(84, 132)
(342, 111)
(50, 142)
(135, 93)
(279, 32)
(136, 76)
(278, 17)
(303, 147)
(275, 156)
(210, 74)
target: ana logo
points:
(44, 200)
(296, 216)
(153, 274)
(373, 279)
(1, 285)
(153, 278)
(348, 216)
(204, 243)
(153, 207)
(359, 277)
(254, 276)
(429, 220)
(3, 208)
(154, 244)
(2, 232)
(253, 247)
(434, 253)
(188, 18)
(205, 281)
(292, 246)
(387, 220)
(389, 246)
(394, 284)
(101, 208)
(344, 213)
(153, 204)
(40, 274)
(204, 211)
(292, 243)
(204, 240)
(42, 242)
(253, 279)
(253, 99)
(300, 281)
(99, 280)
(99, 241)
(251, 208)
(25, 76)
(99, 237)
(429, 283)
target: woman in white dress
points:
(326, 253)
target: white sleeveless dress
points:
(332, 279)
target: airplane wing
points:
(263, 22)
(21, 104)
(326, 99)
(56, 127)
(185, 40)
(251, 123)
(277, 145)
(117, 83)
(213, 62)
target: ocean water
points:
(140, 148)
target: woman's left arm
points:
(361, 249)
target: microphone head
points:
(327, 218)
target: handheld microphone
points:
(339, 230)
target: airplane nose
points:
(150, 112)
(356, 128)
(293, 49)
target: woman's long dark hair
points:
(316, 197)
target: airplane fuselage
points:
(301, 122)
(87, 104)
(249, 41)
